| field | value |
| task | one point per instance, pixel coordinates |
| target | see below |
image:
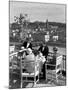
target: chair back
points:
(58, 64)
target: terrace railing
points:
(63, 60)
(50, 55)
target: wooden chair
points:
(55, 69)
(29, 77)
(13, 63)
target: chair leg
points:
(56, 79)
(21, 84)
(34, 81)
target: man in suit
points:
(27, 44)
(45, 51)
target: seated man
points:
(27, 44)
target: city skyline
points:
(38, 11)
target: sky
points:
(38, 11)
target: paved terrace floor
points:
(15, 83)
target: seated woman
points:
(29, 57)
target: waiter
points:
(44, 50)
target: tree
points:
(23, 18)
(19, 26)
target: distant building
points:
(13, 33)
(47, 24)
(51, 31)
(11, 49)
(47, 38)
(55, 38)
(54, 27)
(47, 32)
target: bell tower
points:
(47, 24)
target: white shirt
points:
(28, 45)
